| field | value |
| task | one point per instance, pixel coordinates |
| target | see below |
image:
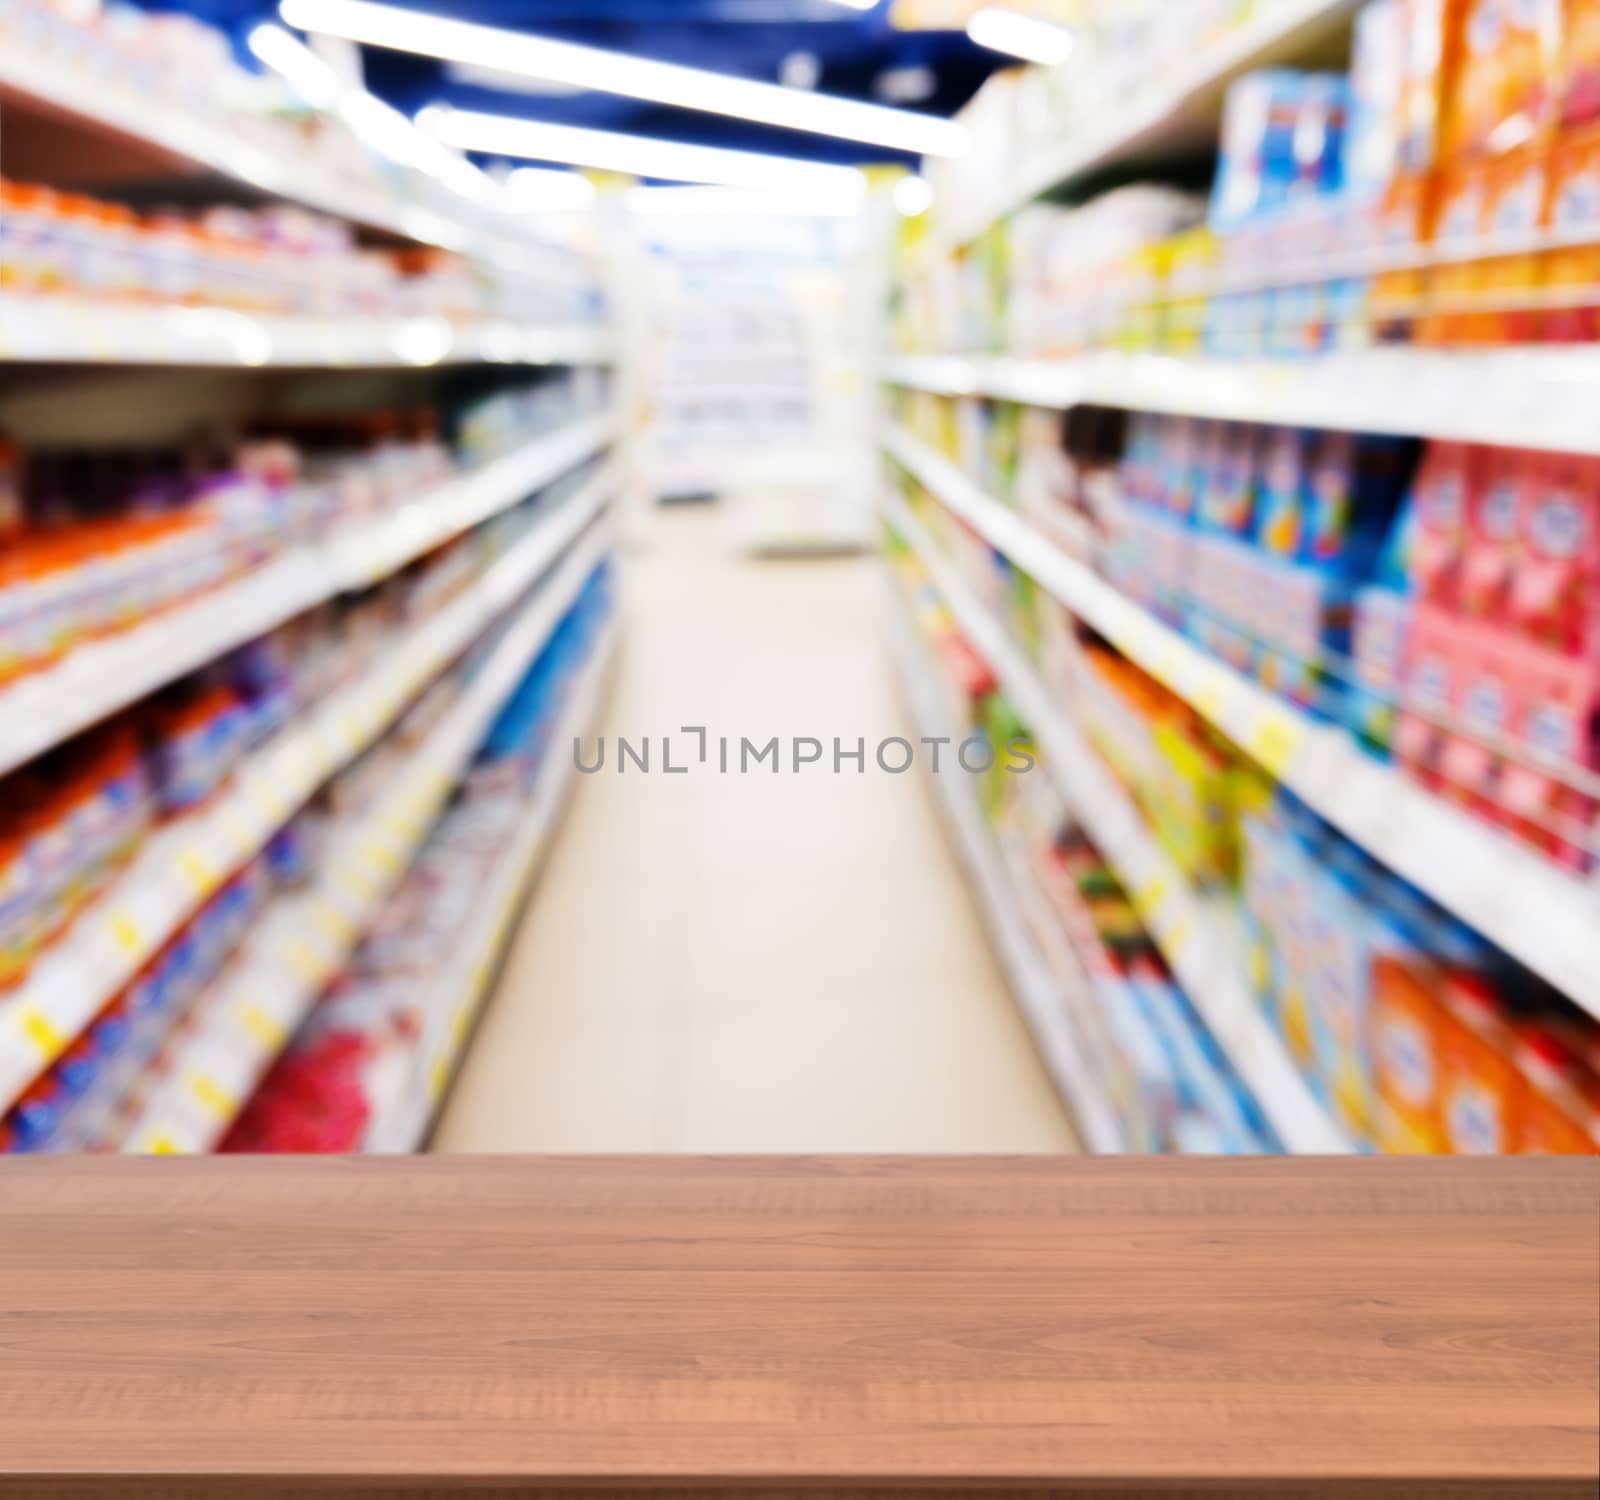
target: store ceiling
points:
(812, 43)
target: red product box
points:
(1557, 717)
(1428, 690)
(1555, 600)
(1443, 486)
(1494, 507)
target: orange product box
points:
(1432, 41)
(1481, 1089)
(1527, 80)
(1561, 1105)
(1573, 210)
(1473, 107)
(1405, 1022)
(1514, 205)
(1463, 195)
(1404, 222)
(1581, 61)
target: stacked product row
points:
(1443, 192)
(94, 541)
(1412, 1031)
(279, 260)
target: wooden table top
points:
(1128, 1326)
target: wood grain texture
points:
(1130, 1326)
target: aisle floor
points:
(765, 962)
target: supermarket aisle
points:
(758, 963)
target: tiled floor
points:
(759, 963)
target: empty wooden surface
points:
(1138, 1326)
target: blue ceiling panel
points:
(748, 38)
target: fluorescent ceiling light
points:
(1021, 36)
(912, 196)
(684, 202)
(306, 73)
(636, 155)
(855, 4)
(383, 128)
(630, 76)
(544, 190)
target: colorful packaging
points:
(1560, 1113)
(1581, 95)
(1432, 36)
(1494, 508)
(1555, 599)
(1481, 1088)
(1407, 1023)
(1515, 201)
(1281, 510)
(1227, 504)
(1573, 211)
(1440, 499)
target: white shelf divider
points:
(1542, 916)
(1201, 954)
(68, 330)
(97, 679)
(403, 1119)
(1034, 983)
(1516, 398)
(307, 939)
(186, 863)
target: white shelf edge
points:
(403, 1121)
(97, 680)
(1546, 919)
(188, 862)
(1033, 982)
(66, 330)
(1529, 397)
(1269, 34)
(1202, 959)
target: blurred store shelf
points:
(189, 861)
(1167, 115)
(1034, 982)
(452, 1004)
(103, 676)
(307, 938)
(1202, 954)
(1547, 919)
(110, 109)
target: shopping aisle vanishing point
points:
(756, 963)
